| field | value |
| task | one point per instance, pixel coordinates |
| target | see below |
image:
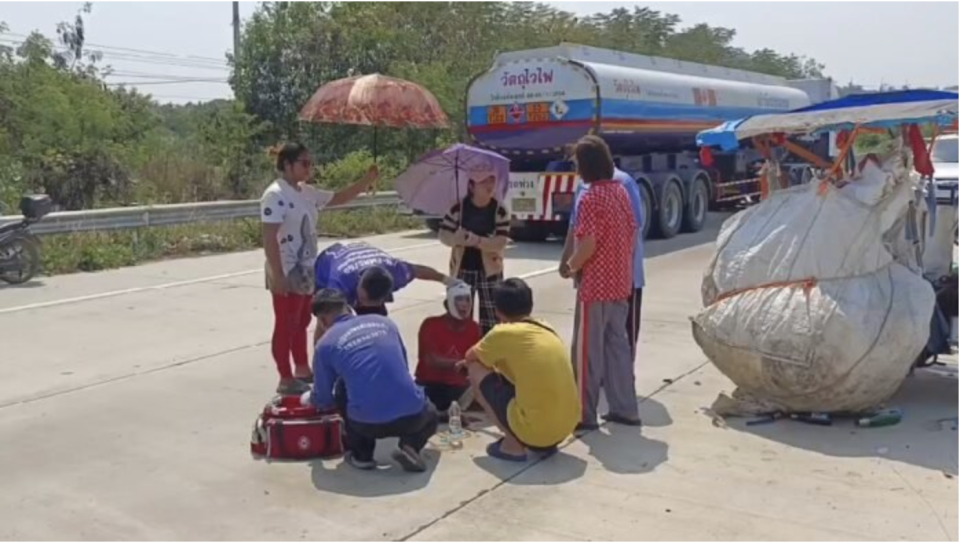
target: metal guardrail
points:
(65, 222)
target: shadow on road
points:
(33, 283)
(425, 235)
(387, 480)
(624, 450)
(558, 469)
(654, 414)
(927, 436)
(550, 250)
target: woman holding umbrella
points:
(477, 230)
(473, 181)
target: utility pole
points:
(236, 31)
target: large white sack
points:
(842, 343)
(843, 346)
(797, 234)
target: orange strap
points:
(803, 153)
(838, 165)
(806, 284)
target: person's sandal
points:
(494, 451)
(620, 419)
(353, 461)
(586, 427)
(293, 387)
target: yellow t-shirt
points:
(547, 407)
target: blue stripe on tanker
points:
(583, 110)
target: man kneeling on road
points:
(360, 366)
(349, 267)
(522, 375)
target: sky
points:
(894, 43)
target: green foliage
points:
(292, 48)
(94, 251)
(65, 132)
(880, 144)
(341, 173)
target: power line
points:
(144, 51)
(186, 97)
(165, 77)
(172, 82)
(142, 60)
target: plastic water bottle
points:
(455, 426)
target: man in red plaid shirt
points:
(605, 234)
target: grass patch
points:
(94, 251)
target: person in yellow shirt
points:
(522, 376)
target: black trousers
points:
(633, 319)
(361, 438)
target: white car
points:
(944, 157)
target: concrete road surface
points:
(127, 398)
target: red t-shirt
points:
(437, 337)
(605, 213)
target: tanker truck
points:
(531, 104)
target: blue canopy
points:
(875, 110)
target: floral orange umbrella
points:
(375, 100)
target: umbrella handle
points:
(373, 188)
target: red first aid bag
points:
(286, 430)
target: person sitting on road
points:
(345, 266)
(522, 376)
(443, 342)
(360, 367)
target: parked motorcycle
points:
(20, 249)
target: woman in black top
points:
(477, 228)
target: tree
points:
(293, 48)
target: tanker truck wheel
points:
(647, 201)
(695, 213)
(670, 212)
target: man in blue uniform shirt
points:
(360, 367)
(361, 272)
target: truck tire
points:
(533, 233)
(695, 212)
(670, 211)
(433, 225)
(646, 200)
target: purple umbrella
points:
(439, 179)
